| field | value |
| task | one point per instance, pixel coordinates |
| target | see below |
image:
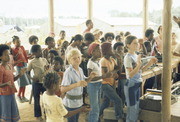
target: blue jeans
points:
(38, 88)
(94, 91)
(110, 94)
(73, 118)
(120, 90)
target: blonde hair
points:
(72, 52)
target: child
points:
(132, 63)
(119, 56)
(89, 25)
(59, 67)
(49, 41)
(33, 40)
(62, 35)
(51, 55)
(8, 106)
(108, 64)
(109, 37)
(54, 108)
(73, 83)
(19, 53)
(63, 48)
(37, 65)
(150, 37)
(94, 87)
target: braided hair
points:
(50, 79)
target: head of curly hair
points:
(51, 79)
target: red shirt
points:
(5, 76)
(19, 53)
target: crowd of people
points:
(105, 67)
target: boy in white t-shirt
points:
(54, 108)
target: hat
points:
(92, 47)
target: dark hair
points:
(118, 36)
(102, 40)
(35, 48)
(62, 31)
(88, 21)
(15, 38)
(129, 39)
(105, 48)
(159, 29)
(54, 52)
(121, 33)
(3, 47)
(89, 37)
(117, 44)
(127, 33)
(149, 32)
(77, 37)
(108, 35)
(59, 59)
(32, 38)
(147, 44)
(48, 39)
(50, 79)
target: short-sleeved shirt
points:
(37, 65)
(54, 108)
(130, 62)
(6, 76)
(60, 41)
(110, 67)
(177, 49)
(20, 54)
(71, 76)
(95, 67)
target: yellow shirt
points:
(110, 67)
(54, 108)
(60, 41)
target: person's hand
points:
(141, 41)
(153, 60)
(85, 108)
(23, 70)
(10, 84)
(92, 75)
(19, 61)
(115, 75)
(82, 83)
(108, 75)
(176, 19)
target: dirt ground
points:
(27, 112)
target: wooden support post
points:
(51, 16)
(90, 11)
(145, 16)
(166, 77)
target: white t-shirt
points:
(37, 65)
(95, 67)
(54, 108)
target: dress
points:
(8, 106)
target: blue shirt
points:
(71, 76)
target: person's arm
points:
(20, 74)
(151, 62)
(65, 89)
(71, 113)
